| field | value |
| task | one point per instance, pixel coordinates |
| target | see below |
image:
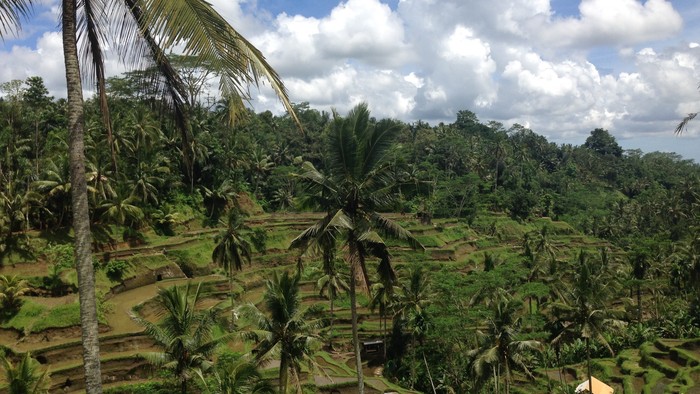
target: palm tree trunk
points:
(639, 302)
(507, 377)
(355, 336)
(330, 334)
(384, 345)
(413, 361)
(284, 372)
(81, 218)
(562, 378)
(588, 363)
(430, 376)
(230, 291)
(495, 379)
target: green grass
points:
(444, 236)
(34, 317)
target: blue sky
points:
(560, 67)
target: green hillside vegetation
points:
(540, 263)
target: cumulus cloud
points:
(46, 60)
(619, 22)
(523, 61)
(365, 32)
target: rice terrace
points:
(47, 326)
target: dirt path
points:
(120, 319)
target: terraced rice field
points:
(662, 367)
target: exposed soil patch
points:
(73, 379)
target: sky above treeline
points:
(559, 67)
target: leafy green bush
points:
(115, 270)
(259, 239)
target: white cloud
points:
(618, 22)
(21, 62)
(366, 30)
(625, 65)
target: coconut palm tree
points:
(332, 283)
(412, 300)
(148, 180)
(639, 264)
(25, 376)
(55, 186)
(500, 346)
(184, 333)
(583, 313)
(358, 185)
(239, 377)
(285, 331)
(382, 298)
(11, 288)
(545, 249)
(145, 30)
(231, 248)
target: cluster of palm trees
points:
(185, 334)
(144, 31)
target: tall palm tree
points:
(382, 298)
(583, 313)
(146, 29)
(24, 377)
(285, 331)
(545, 249)
(184, 333)
(55, 185)
(500, 346)
(412, 300)
(332, 283)
(639, 263)
(231, 248)
(358, 185)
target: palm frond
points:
(683, 125)
(395, 230)
(377, 143)
(92, 37)
(11, 12)
(343, 149)
(207, 36)
(330, 224)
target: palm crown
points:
(359, 184)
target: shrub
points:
(116, 269)
(259, 239)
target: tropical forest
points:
(157, 235)
(286, 255)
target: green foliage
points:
(184, 333)
(259, 239)
(60, 255)
(115, 269)
(499, 180)
(24, 376)
(142, 388)
(11, 289)
(33, 317)
(288, 332)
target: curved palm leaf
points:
(11, 11)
